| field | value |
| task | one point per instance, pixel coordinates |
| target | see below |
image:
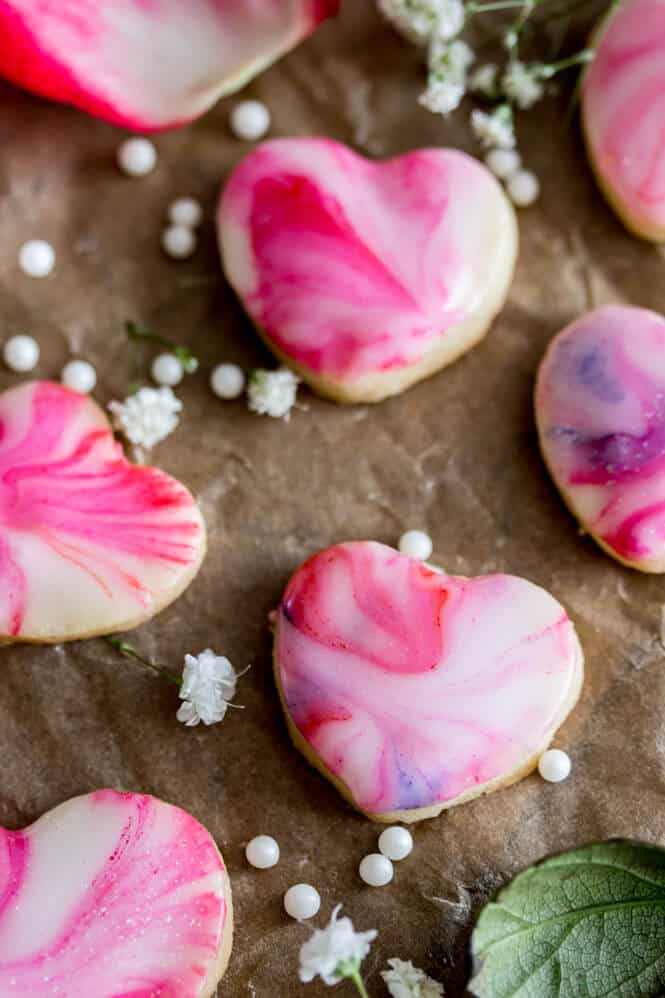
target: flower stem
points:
(358, 981)
(485, 8)
(137, 333)
(580, 59)
(128, 650)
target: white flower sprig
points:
(438, 24)
(272, 393)
(147, 417)
(207, 686)
(336, 953)
(403, 980)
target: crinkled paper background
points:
(456, 455)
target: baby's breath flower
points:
(494, 130)
(449, 63)
(335, 952)
(272, 393)
(208, 683)
(450, 20)
(485, 80)
(147, 417)
(442, 96)
(522, 84)
(403, 980)
(415, 19)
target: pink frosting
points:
(147, 64)
(351, 267)
(624, 110)
(111, 896)
(414, 687)
(600, 406)
(87, 540)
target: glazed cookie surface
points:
(113, 895)
(366, 277)
(413, 691)
(600, 411)
(89, 543)
(623, 107)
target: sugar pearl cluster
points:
(185, 214)
(522, 185)
(21, 354)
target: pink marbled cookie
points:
(600, 410)
(113, 895)
(89, 543)
(623, 106)
(413, 691)
(366, 277)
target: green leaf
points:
(585, 924)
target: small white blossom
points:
(273, 393)
(334, 952)
(494, 130)
(522, 84)
(442, 96)
(415, 19)
(448, 63)
(208, 683)
(147, 417)
(450, 20)
(403, 980)
(485, 80)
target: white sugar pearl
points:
(503, 163)
(302, 901)
(523, 188)
(554, 766)
(396, 843)
(376, 870)
(80, 376)
(137, 157)
(186, 211)
(178, 241)
(21, 353)
(36, 258)
(250, 120)
(228, 381)
(166, 369)
(262, 852)
(416, 544)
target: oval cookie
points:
(413, 691)
(623, 111)
(600, 411)
(366, 277)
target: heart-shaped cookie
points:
(623, 110)
(366, 277)
(413, 691)
(89, 543)
(113, 895)
(600, 411)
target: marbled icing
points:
(413, 687)
(148, 64)
(111, 895)
(623, 103)
(88, 541)
(353, 268)
(600, 408)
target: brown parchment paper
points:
(456, 455)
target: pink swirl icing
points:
(412, 687)
(624, 110)
(88, 541)
(600, 407)
(148, 64)
(112, 896)
(313, 238)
